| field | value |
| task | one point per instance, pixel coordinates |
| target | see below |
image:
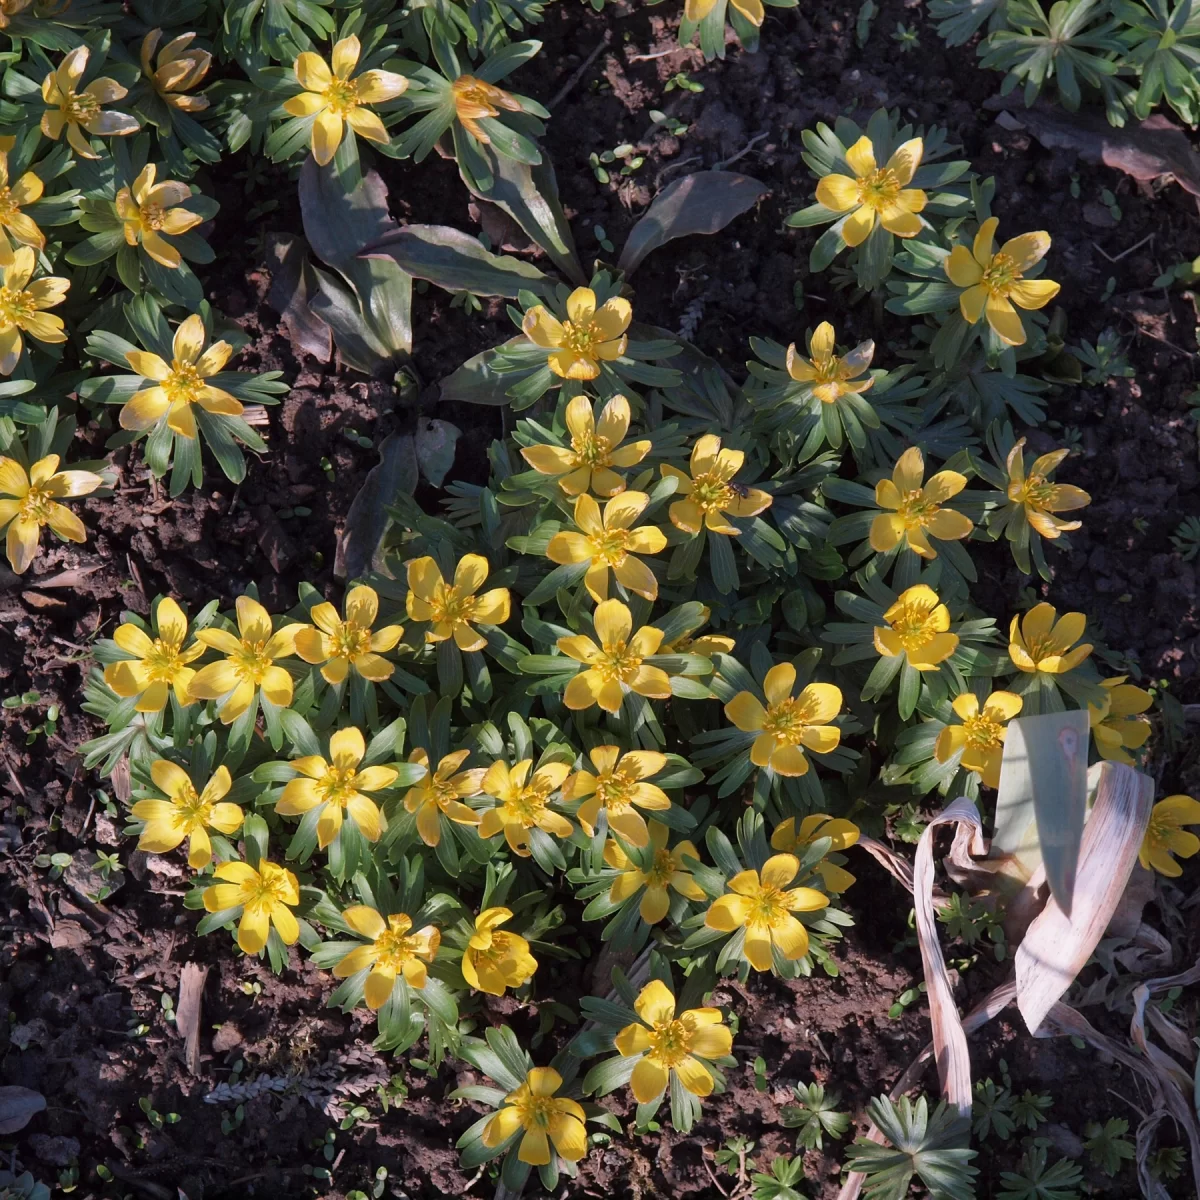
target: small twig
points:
(1148, 238)
(758, 137)
(474, 1179)
(1163, 341)
(580, 71)
(657, 54)
(716, 1181)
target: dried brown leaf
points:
(187, 1012)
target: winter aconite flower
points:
(829, 376)
(340, 645)
(178, 385)
(524, 803)
(180, 68)
(608, 542)
(980, 737)
(841, 834)
(12, 8)
(185, 813)
(1117, 724)
(789, 724)
(918, 628)
(876, 193)
(616, 665)
(763, 906)
(596, 447)
(335, 99)
(453, 610)
(709, 494)
(1165, 835)
(29, 501)
(917, 512)
(618, 786)
(442, 793)
(1041, 498)
(752, 10)
(338, 784)
(545, 1118)
(475, 99)
(494, 958)
(16, 225)
(588, 337)
(393, 950)
(994, 280)
(1038, 642)
(266, 897)
(249, 665)
(665, 1042)
(23, 305)
(81, 112)
(149, 210)
(667, 870)
(157, 665)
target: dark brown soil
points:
(83, 984)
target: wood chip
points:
(187, 1012)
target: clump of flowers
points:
(876, 195)
(30, 500)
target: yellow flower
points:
(709, 495)
(666, 871)
(179, 384)
(34, 503)
(1165, 835)
(595, 448)
(994, 280)
(917, 628)
(341, 644)
(393, 951)
(249, 663)
(916, 511)
(609, 541)
(1040, 643)
(184, 814)
(614, 666)
(1116, 725)
(667, 1042)
(789, 723)
(263, 896)
(764, 906)
(443, 792)
(876, 193)
(618, 786)
(831, 377)
(474, 99)
(981, 735)
(15, 224)
(179, 70)
(337, 784)
(1040, 497)
(334, 98)
(752, 10)
(12, 8)
(494, 958)
(524, 803)
(590, 336)
(147, 211)
(452, 609)
(841, 833)
(157, 665)
(545, 1118)
(80, 111)
(23, 308)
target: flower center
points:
(36, 506)
(473, 97)
(618, 662)
(336, 786)
(151, 217)
(913, 627)
(983, 733)
(15, 306)
(350, 642)
(163, 662)
(609, 547)
(452, 608)
(879, 189)
(915, 511)
(591, 450)
(342, 96)
(670, 1043)
(1160, 829)
(662, 871)
(251, 662)
(1036, 491)
(80, 107)
(766, 906)
(711, 493)
(1000, 275)
(786, 721)
(528, 804)
(191, 812)
(1041, 647)
(828, 370)
(535, 1111)
(613, 791)
(581, 339)
(268, 889)
(184, 384)
(394, 949)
